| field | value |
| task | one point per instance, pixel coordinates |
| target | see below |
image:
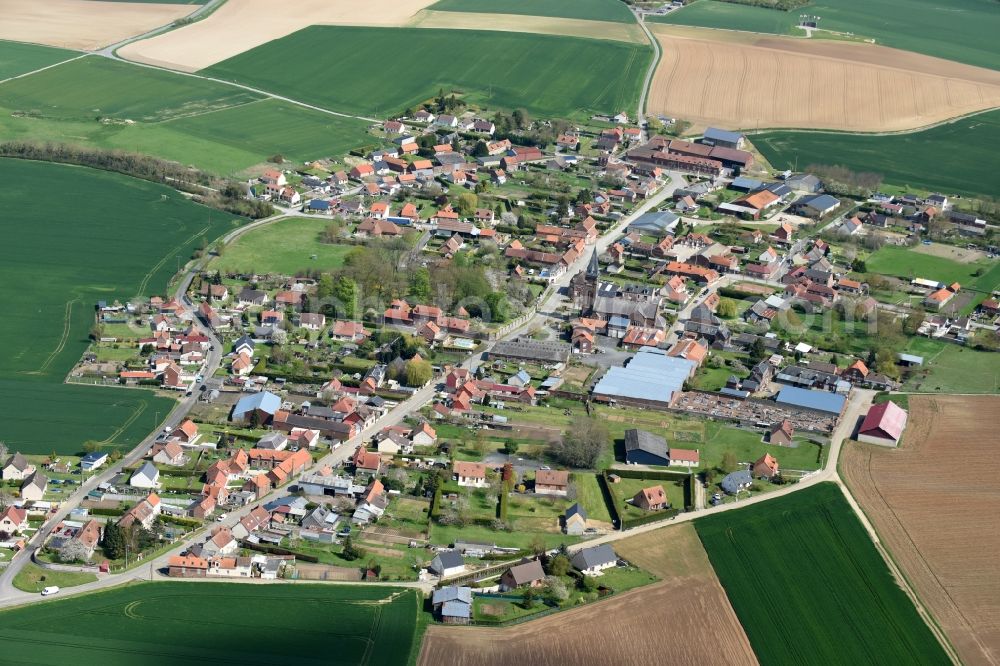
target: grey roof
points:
(821, 401)
(735, 481)
(527, 572)
(452, 593)
(910, 358)
(716, 134)
(818, 201)
(147, 470)
(446, 559)
(642, 440)
(244, 340)
(264, 401)
(20, 462)
(456, 609)
(576, 510)
(657, 222)
(650, 375)
(591, 557)
(546, 352)
(744, 183)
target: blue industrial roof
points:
(650, 375)
(744, 183)
(264, 401)
(821, 401)
(716, 134)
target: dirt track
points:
(935, 503)
(545, 25)
(684, 619)
(83, 24)
(752, 81)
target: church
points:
(620, 306)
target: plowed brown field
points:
(83, 24)
(684, 619)
(935, 503)
(748, 81)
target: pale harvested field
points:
(684, 619)
(543, 25)
(959, 254)
(240, 25)
(86, 25)
(745, 80)
(935, 503)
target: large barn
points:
(883, 425)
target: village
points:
(662, 328)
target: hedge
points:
(651, 518)
(610, 499)
(101, 511)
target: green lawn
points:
(950, 368)
(447, 534)
(17, 57)
(286, 246)
(73, 236)
(906, 263)
(956, 157)
(808, 585)
(213, 126)
(590, 497)
(628, 488)
(592, 10)
(336, 67)
(962, 30)
(151, 624)
(33, 578)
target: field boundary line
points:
(922, 128)
(42, 69)
(129, 421)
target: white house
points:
(592, 561)
(470, 474)
(93, 460)
(447, 563)
(17, 468)
(146, 476)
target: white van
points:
(52, 589)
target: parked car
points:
(50, 590)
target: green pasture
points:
(961, 30)
(906, 263)
(17, 58)
(808, 585)
(74, 236)
(286, 247)
(338, 67)
(957, 157)
(951, 368)
(591, 10)
(176, 622)
(216, 127)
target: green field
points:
(33, 578)
(950, 368)
(178, 622)
(285, 247)
(591, 10)
(338, 68)
(809, 587)
(213, 126)
(961, 30)
(908, 264)
(956, 157)
(18, 58)
(73, 236)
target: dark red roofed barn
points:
(883, 425)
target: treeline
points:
(839, 179)
(221, 194)
(782, 5)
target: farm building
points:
(657, 224)
(883, 424)
(261, 406)
(718, 137)
(652, 378)
(817, 401)
(815, 205)
(447, 563)
(592, 561)
(453, 604)
(524, 349)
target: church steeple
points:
(593, 268)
